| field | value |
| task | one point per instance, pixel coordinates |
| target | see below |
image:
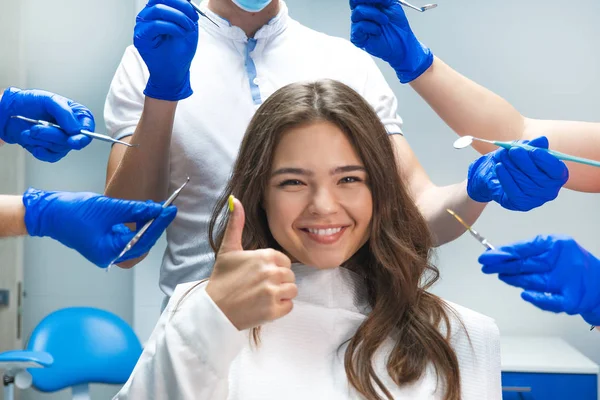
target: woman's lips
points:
(325, 235)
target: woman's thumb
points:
(232, 239)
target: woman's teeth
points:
(325, 232)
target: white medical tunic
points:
(231, 76)
(195, 352)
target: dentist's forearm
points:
(471, 109)
(468, 108)
(12, 216)
(142, 173)
(433, 203)
(433, 200)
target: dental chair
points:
(73, 347)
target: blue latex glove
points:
(557, 274)
(380, 27)
(44, 142)
(166, 36)
(93, 224)
(517, 179)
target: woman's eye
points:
(350, 179)
(290, 182)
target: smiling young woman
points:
(325, 250)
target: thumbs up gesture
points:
(250, 287)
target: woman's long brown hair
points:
(395, 260)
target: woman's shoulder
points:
(475, 338)
(473, 321)
(182, 292)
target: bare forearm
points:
(433, 203)
(12, 216)
(466, 107)
(433, 200)
(142, 173)
(581, 139)
(471, 109)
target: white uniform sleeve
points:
(189, 352)
(125, 100)
(381, 97)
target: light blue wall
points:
(73, 47)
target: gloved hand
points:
(93, 224)
(517, 179)
(44, 142)
(380, 27)
(557, 274)
(166, 36)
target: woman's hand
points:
(250, 287)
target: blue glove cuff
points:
(31, 198)
(175, 94)
(5, 103)
(476, 195)
(475, 189)
(423, 62)
(591, 318)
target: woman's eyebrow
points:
(306, 172)
(295, 171)
(348, 168)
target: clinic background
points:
(541, 55)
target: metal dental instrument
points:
(99, 136)
(199, 11)
(466, 141)
(472, 231)
(138, 235)
(419, 9)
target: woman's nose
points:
(323, 202)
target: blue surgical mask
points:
(252, 5)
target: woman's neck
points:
(249, 22)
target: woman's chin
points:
(323, 262)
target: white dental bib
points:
(195, 351)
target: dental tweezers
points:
(472, 231)
(98, 136)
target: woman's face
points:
(318, 201)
